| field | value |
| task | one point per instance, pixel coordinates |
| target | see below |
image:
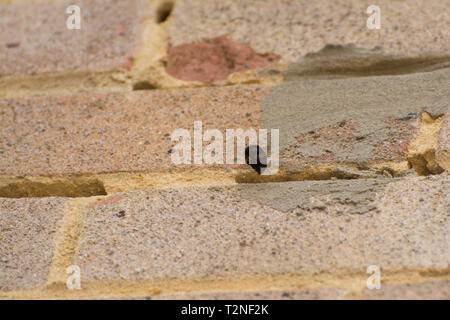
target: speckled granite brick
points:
(27, 229)
(34, 37)
(227, 232)
(92, 133)
(292, 29)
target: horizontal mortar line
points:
(197, 85)
(351, 281)
(400, 67)
(71, 83)
(120, 80)
(102, 184)
(64, 83)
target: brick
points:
(354, 106)
(91, 133)
(34, 37)
(28, 227)
(292, 29)
(428, 290)
(267, 229)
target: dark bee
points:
(256, 158)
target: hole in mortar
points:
(164, 11)
(143, 85)
(256, 157)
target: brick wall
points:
(87, 177)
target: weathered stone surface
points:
(429, 290)
(354, 196)
(27, 230)
(348, 60)
(443, 149)
(34, 37)
(218, 232)
(292, 29)
(426, 148)
(356, 119)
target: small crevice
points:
(60, 187)
(163, 12)
(143, 85)
(330, 172)
(344, 61)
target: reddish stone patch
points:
(112, 199)
(214, 59)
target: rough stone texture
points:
(356, 119)
(300, 294)
(293, 28)
(425, 146)
(355, 197)
(27, 229)
(443, 151)
(195, 233)
(34, 37)
(429, 290)
(114, 132)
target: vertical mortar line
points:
(152, 42)
(66, 240)
(422, 149)
(151, 51)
